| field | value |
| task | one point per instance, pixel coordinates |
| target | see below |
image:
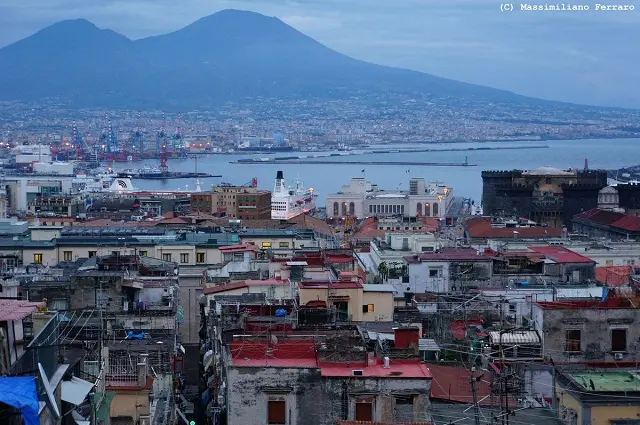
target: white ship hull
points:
(289, 202)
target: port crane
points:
(137, 140)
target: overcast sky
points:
(586, 57)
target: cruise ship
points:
(288, 202)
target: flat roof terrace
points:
(607, 381)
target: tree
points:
(383, 269)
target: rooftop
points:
(560, 254)
(243, 284)
(482, 227)
(302, 354)
(611, 302)
(12, 310)
(451, 383)
(449, 254)
(312, 284)
(606, 381)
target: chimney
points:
(142, 369)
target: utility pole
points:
(476, 408)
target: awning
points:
(76, 390)
(515, 337)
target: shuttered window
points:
(364, 412)
(277, 412)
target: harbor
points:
(328, 162)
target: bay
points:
(466, 181)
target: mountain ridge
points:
(227, 56)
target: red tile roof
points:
(452, 383)
(11, 310)
(480, 227)
(238, 248)
(598, 216)
(614, 275)
(630, 223)
(561, 255)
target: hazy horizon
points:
(579, 57)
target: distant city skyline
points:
(581, 57)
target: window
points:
(276, 412)
(367, 308)
(364, 411)
(403, 409)
(166, 257)
(436, 209)
(37, 258)
(94, 253)
(266, 245)
(184, 258)
(144, 253)
(435, 272)
(618, 340)
(572, 340)
(67, 255)
(284, 245)
(609, 262)
(199, 257)
(115, 253)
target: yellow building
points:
(352, 300)
(598, 397)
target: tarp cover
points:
(20, 392)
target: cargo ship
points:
(289, 202)
(277, 143)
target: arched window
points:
(427, 209)
(344, 209)
(336, 209)
(436, 208)
(419, 208)
(352, 208)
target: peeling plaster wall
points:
(311, 398)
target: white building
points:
(28, 154)
(360, 198)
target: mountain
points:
(228, 56)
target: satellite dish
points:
(52, 403)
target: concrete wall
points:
(311, 399)
(130, 403)
(382, 310)
(595, 326)
(602, 415)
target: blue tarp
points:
(281, 312)
(134, 335)
(20, 392)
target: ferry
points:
(290, 201)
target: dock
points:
(326, 162)
(169, 176)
